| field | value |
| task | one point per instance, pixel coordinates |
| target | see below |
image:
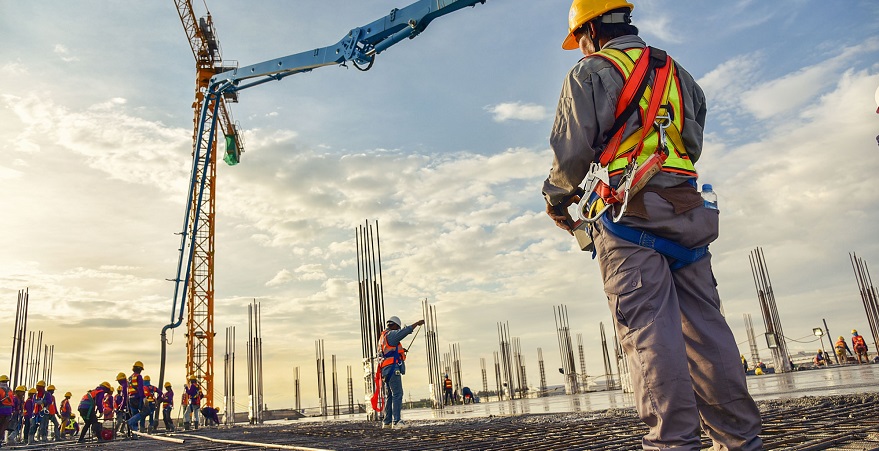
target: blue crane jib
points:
(360, 46)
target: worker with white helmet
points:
(392, 368)
(635, 149)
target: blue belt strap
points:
(682, 256)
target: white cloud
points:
(282, 277)
(507, 111)
(64, 54)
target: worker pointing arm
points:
(393, 366)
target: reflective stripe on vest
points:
(678, 161)
(391, 354)
(7, 397)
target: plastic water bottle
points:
(709, 197)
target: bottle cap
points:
(707, 187)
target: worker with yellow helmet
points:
(88, 408)
(192, 396)
(167, 402)
(66, 411)
(667, 307)
(860, 347)
(136, 396)
(50, 415)
(7, 405)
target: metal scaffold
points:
(566, 350)
(431, 346)
(372, 303)
(869, 295)
(766, 296)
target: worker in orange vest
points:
(51, 412)
(392, 368)
(66, 412)
(842, 350)
(448, 396)
(860, 347)
(88, 409)
(7, 405)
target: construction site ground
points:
(825, 409)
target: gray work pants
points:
(683, 358)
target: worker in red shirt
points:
(66, 412)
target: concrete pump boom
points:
(360, 46)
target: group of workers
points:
(25, 414)
(843, 351)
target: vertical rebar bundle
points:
(542, 372)
(752, 340)
(335, 388)
(254, 363)
(497, 377)
(484, 377)
(625, 378)
(321, 376)
(506, 354)
(431, 346)
(584, 378)
(566, 350)
(229, 378)
(17, 362)
(372, 303)
(297, 390)
(610, 381)
(350, 391)
(868, 295)
(774, 332)
(519, 360)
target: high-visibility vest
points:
(89, 398)
(678, 161)
(7, 397)
(38, 407)
(65, 407)
(858, 341)
(840, 345)
(391, 354)
(150, 393)
(448, 384)
(52, 409)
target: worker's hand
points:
(418, 323)
(559, 213)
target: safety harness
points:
(627, 157)
(391, 356)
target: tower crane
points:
(215, 86)
(200, 302)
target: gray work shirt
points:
(585, 115)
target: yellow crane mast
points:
(200, 302)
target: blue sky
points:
(444, 142)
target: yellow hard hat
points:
(32, 391)
(121, 376)
(68, 394)
(4, 378)
(146, 378)
(583, 11)
(841, 338)
(138, 363)
(50, 387)
(167, 384)
(192, 377)
(854, 331)
(107, 385)
(41, 384)
(119, 388)
(820, 350)
(21, 388)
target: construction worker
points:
(39, 413)
(842, 350)
(121, 403)
(820, 358)
(448, 395)
(211, 416)
(72, 427)
(744, 362)
(151, 414)
(392, 368)
(7, 405)
(28, 417)
(660, 289)
(88, 409)
(18, 414)
(66, 412)
(168, 407)
(467, 395)
(136, 396)
(191, 402)
(860, 347)
(51, 412)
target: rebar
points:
(868, 295)
(774, 333)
